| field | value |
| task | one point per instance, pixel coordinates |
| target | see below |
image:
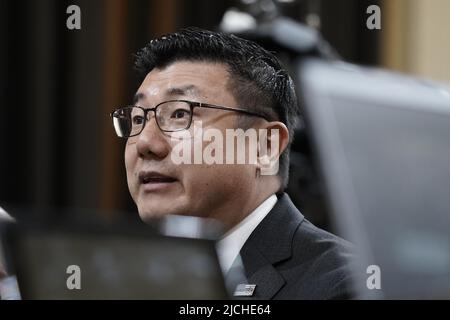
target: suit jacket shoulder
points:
(287, 257)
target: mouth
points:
(155, 181)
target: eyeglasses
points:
(171, 116)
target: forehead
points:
(202, 80)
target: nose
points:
(152, 142)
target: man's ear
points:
(273, 138)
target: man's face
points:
(160, 187)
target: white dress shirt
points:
(231, 243)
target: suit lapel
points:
(270, 242)
(261, 273)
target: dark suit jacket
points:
(287, 257)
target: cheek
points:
(215, 180)
(130, 160)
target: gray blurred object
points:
(383, 145)
(4, 216)
(9, 289)
(117, 261)
(202, 228)
(189, 227)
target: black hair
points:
(258, 81)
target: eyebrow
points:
(172, 92)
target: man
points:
(196, 77)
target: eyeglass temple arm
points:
(211, 106)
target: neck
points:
(262, 190)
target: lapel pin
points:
(244, 290)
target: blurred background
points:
(57, 145)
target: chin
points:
(148, 215)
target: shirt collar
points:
(231, 243)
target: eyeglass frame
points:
(192, 105)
